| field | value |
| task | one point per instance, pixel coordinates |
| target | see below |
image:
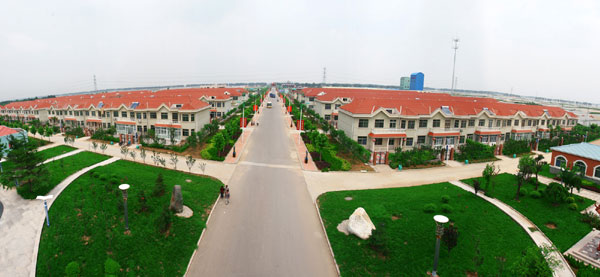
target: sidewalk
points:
(21, 226)
(76, 151)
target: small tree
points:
(163, 222)
(133, 154)
(159, 186)
(174, 159)
(526, 165)
(556, 192)
(103, 147)
(450, 236)
(476, 186)
(33, 130)
(537, 167)
(124, 151)
(94, 145)
(162, 161)
(490, 171)
(219, 142)
(143, 202)
(571, 178)
(190, 161)
(202, 167)
(154, 157)
(535, 262)
(172, 135)
(143, 154)
(320, 143)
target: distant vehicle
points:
(272, 95)
(269, 105)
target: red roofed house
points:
(6, 133)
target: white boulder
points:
(358, 224)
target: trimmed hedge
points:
(474, 151)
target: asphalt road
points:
(271, 227)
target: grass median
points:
(88, 225)
(409, 232)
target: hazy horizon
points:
(543, 48)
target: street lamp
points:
(440, 220)
(124, 188)
(45, 198)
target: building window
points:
(560, 161)
(328, 117)
(481, 122)
(392, 123)
(378, 123)
(93, 113)
(363, 123)
(186, 132)
(447, 123)
(87, 113)
(138, 115)
(185, 118)
(409, 141)
(362, 140)
(436, 123)
(175, 117)
(115, 114)
(391, 141)
(471, 122)
(470, 137)
(529, 122)
(164, 116)
(597, 172)
(580, 166)
(193, 118)
(152, 115)
(516, 123)
(145, 115)
(131, 114)
(423, 123)
(378, 141)
(498, 122)
(337, 106)
(462, 139)
(411, 124)
(456, 123)
(328, 106)
(420, 139)
(402, 124)
(463, 124)
(491, 123)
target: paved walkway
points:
(537, 236)
(71, 153)
(21, 227)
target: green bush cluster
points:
(535, 194)
(72, 269)
(77, 131)
(446, 208)
(413, 157)
(473, 151)
(516, 147)
(445, 198)
(105, 134)
(429, 208)
(573, 206)
(111, 268)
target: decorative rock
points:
(186, 213)
(176, 200)
(358, 224)
(347, 198)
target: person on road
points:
(227, 195)
(222, 191)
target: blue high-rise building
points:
(417, 80)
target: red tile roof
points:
(5, 131)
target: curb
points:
(337, 268)
(201, 235)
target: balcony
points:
(441, 131)
(485, 130)
(389, 131)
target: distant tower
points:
(95, 84)
(417, 80)
(405, 83)
(324, 75)
(455, 47)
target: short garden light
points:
(124, 188)
(45, 198)
(440, 220)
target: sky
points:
(536, 48)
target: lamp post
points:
(124, 188)
(440, 220)
(45, 198)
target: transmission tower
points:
(455, 47)
(95, 84)
(324, 75)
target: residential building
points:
(405, 83)
(6, 133)
(585, 157)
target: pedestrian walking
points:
(227, 195)
(222, 191)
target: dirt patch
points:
(86, 240)
(357, 165)
(472, 274)
(551, 225)
(396, 217)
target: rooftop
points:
(584, 150)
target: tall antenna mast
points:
(324, 75)
(455, 47)
(95, 84)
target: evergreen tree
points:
(159, 187)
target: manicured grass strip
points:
(411, 237)
(56, 151)
(62, 168)
(87, 223)
(40, 142)
(569, 228)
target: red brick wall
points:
(571, 159)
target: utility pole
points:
(455, 47)
(95, 84)
(324, 75)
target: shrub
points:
(163, 222)
(111, 267)
(535, 194)
(102, 177)
(573, 206)
(114, 180)
(445, 198)
(72, 269)
(446, 208)
(570, 199)
(523, 192)
(412, 157)
(159, 186)
(429, 208)
(515, 147)
(473, 151)
(592, 219)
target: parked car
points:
(269, 105)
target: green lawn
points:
(62, 168)
(88, 223)
(411, 237)
(55, 151)
(40, 142)
(569, 229)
